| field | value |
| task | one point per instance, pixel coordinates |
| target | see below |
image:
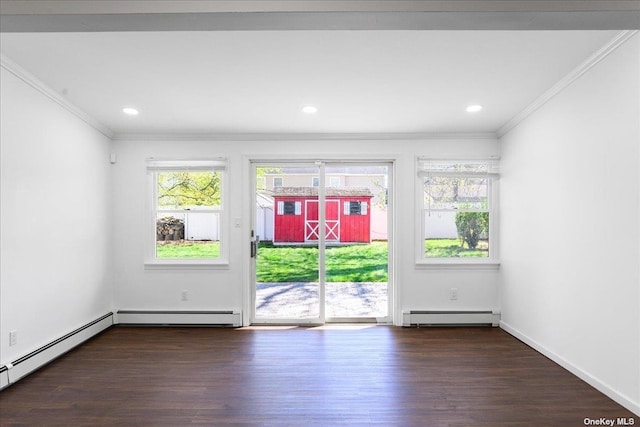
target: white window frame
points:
(153, 167)
(297, 208)
(364, 208)
(315, 181)
(334, 181)
(492, 173)
(281, 181)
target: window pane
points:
(460, 193)
(189, 235)
(185, 190)
(456, 234)
(289, 208)
(193, 233)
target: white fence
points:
(206, 225)
(440, 225)
(197, 225)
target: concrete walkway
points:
(293, 300)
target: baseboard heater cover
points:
(28, 363)
(449, 318)
(4, 377)
(179, 318)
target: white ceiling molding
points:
(485, 136)
(35, 83)
(575, 74)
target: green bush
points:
(472, 226)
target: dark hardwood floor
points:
(382, 376)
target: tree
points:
(472, 226)
(182, 189)
(261, 174)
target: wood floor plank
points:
(377, 376)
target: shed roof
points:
(329, 192)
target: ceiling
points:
(257, 82)
(379, 79)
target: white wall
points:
(570, 270)
(137, 288)
(55, 271)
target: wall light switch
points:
(453, 294)
(13, 338)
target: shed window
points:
(355, 208)
(289, 208)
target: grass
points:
(353, 263)
(450, 248)
(188, 250)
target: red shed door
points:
(312, 223)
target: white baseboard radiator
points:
(12, 372)
(179, 318)
(450, 318)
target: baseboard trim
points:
(36, 359)
(179, 318)
(583, 375)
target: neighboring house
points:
(348, 215)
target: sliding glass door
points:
(356, 262)
(320, 242)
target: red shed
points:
(348, 215)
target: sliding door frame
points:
(251, 163)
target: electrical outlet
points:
(184, 296)
(453, 294)
(13, 338)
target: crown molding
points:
(567, 80)
(302, 136)
(38, 85)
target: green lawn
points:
(450, 248)
(188, 250)
(354, 263)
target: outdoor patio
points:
(296, 300)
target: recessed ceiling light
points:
(309, 109)
(474, 108)
(130, 111)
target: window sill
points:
(457, 264)
(186, 265)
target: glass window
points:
(456, 210)
(187, 211)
